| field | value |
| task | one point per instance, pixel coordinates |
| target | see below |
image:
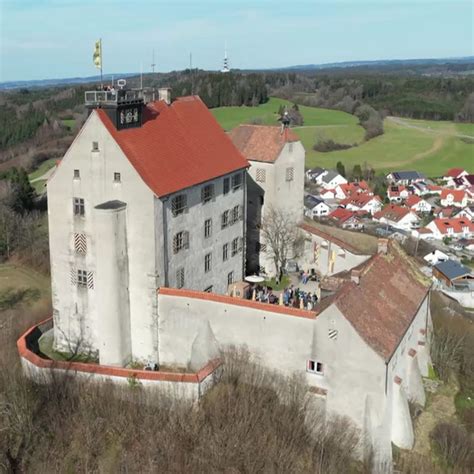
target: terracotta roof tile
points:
(178, 146)
(458, 194)
(454, 172)
(392, 212)
(260, 142)
(382, 306)
(457, 224)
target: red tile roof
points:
(359, 200)
(412, 200)
(393, 212)
(313, 230)
(384, 303)
(458, 194)
(454, 172)
(456, 224)
(342, 215)
(261, 142)
(178, 145)
(354, 188)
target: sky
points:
(42, 39)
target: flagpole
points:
(101, 59)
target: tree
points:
(357, 172)
(284, 241)
(22, 193)
(341, 169)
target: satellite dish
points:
(121, 83)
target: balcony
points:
(113, 97)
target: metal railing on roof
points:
(112, 96)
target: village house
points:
(346, 190)
(405, 177)
(454, 275)
(453, 197)
(328, 194)
(130, 211)
(453, 174)
(315, 175)
(332, 179)
(275, 180)
(417, 204)
(397, 193)
(455, 228)
(315, 207)
(467, 212)
(346, 219)
(362, 203)
(397, 217)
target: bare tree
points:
(283, 239)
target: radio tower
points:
(226, 60)
(153, 62)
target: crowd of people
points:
(290, 296)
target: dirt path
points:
(436, 131)
(440, 407)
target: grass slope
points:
(427, 146)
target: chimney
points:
(382, 246)
(164, 93)
(355, 276)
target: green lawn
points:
(39, 186)
(431, 151)
(43, 167)
(69, 123)
(230, 117)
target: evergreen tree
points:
(341, 169)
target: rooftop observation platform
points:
(100, 98)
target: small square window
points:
(78, 206)
(207, 228)
(207, 193)
(82, 278)
(95, 146)
(117, 178)
(315, 367)
(290, 174)
(207, 262)
(77, 174)
(179, 204)
(180, 241)
(180, 277)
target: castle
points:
(152, 217)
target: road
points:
(403, 123)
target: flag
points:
(97, 56)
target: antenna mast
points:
(153, 62)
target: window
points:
(207, 193)
(237, 181)
(77, 174)
(95, 146)
(290, 174)
(80, 243)
(82, 278)
(315, 367)
(78, 205)
(225, 219)
(208, 289)
(225, 252)
(207, 262)
(179, 204)
(180, 241)
(332, 333)
(226, 185)
(180, 278)
(235, 246)
(230, 278)
(235, 214)
(117, 178)
(261, 175)
(207, 228)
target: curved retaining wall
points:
(187, 385)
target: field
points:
(427, 146)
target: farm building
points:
(454, 275)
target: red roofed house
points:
(452, 174)
(275, 181)
(397, 193)
(417, 204)
(346, 219)
(345, 190)
(457, 227)
(453, 197)
(362, 203)
(147, 195)
(398, 217)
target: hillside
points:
(427, 146)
